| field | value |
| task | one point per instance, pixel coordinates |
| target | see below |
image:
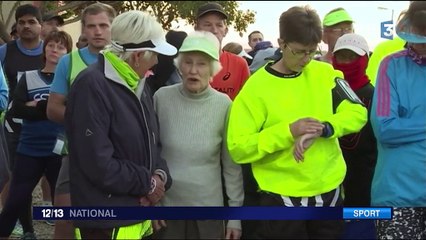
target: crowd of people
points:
(139, 117)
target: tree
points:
(171, 11)
(166, 12)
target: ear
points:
(135, 57)
(226, 31)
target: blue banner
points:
(386, 29)
(367, 213)
(187, 213)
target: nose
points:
(98, 30)
(214, 29)
(307, 58)
(193, 69)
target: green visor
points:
(336, 17)
(200, 43)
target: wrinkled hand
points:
(144, 202)
(158, 192)
(233, 233)
(158, 224)
(302, 144)
(304, 126)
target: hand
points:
(158, 192)
(144, 202)
(304, 126)
(158, 224)
(32, 103)
(302, 144)
(233, 233)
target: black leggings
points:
(25, 176)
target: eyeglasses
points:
(302, 53)
(340, 30)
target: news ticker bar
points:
(210, 213)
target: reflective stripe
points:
(335, 198)
(287, 201)
(136, 231)
(8, 128)
(318, 201)
(304, 202)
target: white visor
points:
(244, 54)
(159, 46)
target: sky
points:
(367, 17)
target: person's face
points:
(141, 64)
(296, 56)
(213, 23)
(28, 27)
(48, 27)
(54, 51)
(331, 34)
(255, 38)
(196, 71)
(345, 56)
(97, 30)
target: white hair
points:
(134, 27)
(215, 65)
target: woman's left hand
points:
(233, 233)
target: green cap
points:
(199, 41)
(336, 17)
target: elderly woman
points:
(112, 132)
(192, 117)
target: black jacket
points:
(113, 143)
(360, 153)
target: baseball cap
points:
(198, 41)
(156, 45)
(404, 28)
(209, 8)
(336, 17)
(58, 18)
(354, 42)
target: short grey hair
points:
(134, 27)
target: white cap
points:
(354, 42)
(243, 53)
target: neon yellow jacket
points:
(382, 50)
(259, 133)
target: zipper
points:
(149, 132)
(141, 108)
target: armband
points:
(344, 91)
